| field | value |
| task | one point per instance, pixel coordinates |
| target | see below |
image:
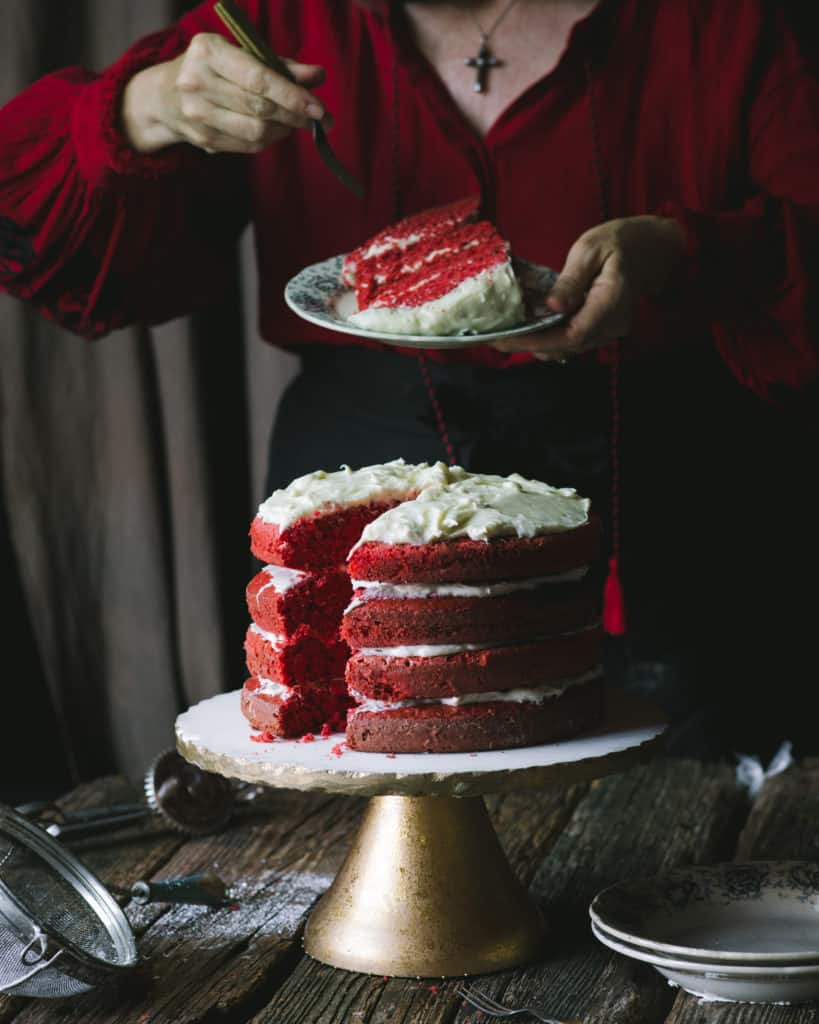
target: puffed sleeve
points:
(754, 268)
(95, 234)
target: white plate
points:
(316, 294)
(760, 912)
(761, 983)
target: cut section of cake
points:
(313, 522)
(299, 658)
(283, 600)
(449, 666)
(440, 272)
(291, 712)
(295, 656)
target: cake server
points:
(251, 42)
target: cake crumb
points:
(308, 737)
(337, 750)
(326, 730)
(263, 737)
(392, 757)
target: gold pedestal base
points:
(426, 891)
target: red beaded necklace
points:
(614, 617)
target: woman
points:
(663, 154)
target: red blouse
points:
(707, 113)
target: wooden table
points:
(246, 964)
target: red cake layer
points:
(442, 276)
(471, 561)
(499, 668)
(315, 601)
(393, 622)
(300, 660)
(417, 229)
(492, 726)
(314, 542)
(432, 269)
(296, 712)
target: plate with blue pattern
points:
(317, 295)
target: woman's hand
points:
(219, 98)
(607, 270)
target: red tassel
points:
(614, 607)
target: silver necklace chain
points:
(486, 36)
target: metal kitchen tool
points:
(246, 35)
(200, 890)
(61, 931)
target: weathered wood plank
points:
(202, 963)
(784, 820)
(783, 825)
(528, 824)
(668, 813)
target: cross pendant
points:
(483, 64)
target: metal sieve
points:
(61, 931)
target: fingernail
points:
(315, 111)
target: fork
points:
(251, 42)
(492, 1008)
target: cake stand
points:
(426, 890)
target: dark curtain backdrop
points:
(129, 470)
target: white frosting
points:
(488, 301)
(440, 650)
(524, 695)
(424, 650)
(274, 689)
(280, 579)
(274, 639)
(480, 507)
(391, 242)
(320, 492)
(406, 591)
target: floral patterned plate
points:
(760, 912)
(316, 294)
(748, 983)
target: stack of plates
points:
(740, 932)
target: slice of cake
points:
(438, 273)
(456, 666)
(418, 229)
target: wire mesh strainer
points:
(61, 932)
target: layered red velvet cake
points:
(460, 647)
(443, 271)
(473, 624)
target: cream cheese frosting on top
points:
(480, 507)
(321, 492)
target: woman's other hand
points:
(219, 98)
(607, 270)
